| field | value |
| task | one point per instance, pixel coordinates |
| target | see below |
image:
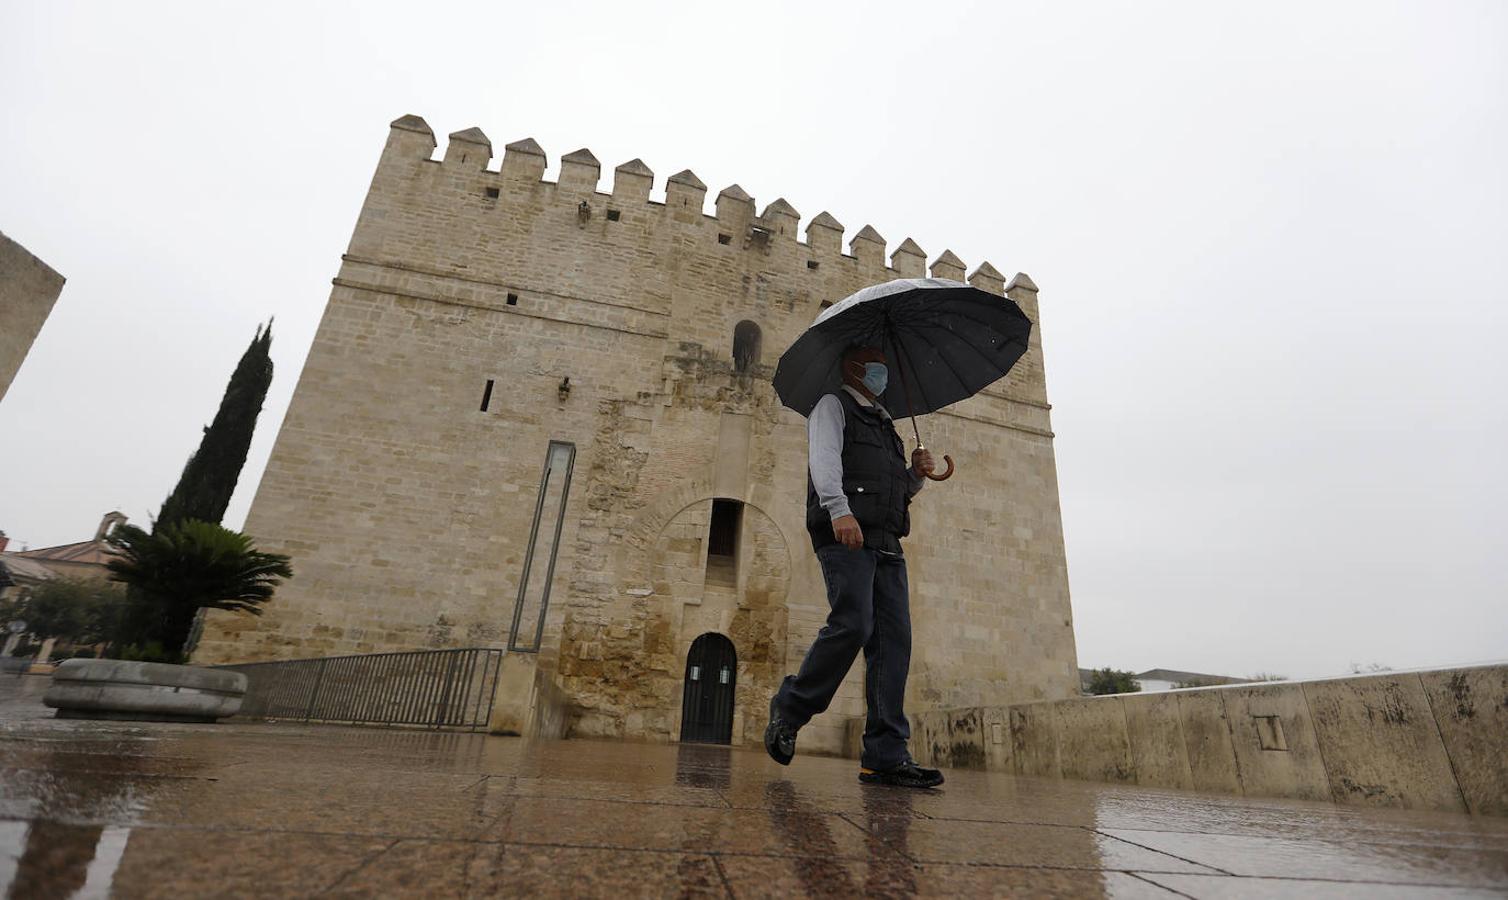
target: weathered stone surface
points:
(929, 736)
(1207, 739)
(114, 688)
(1092, 740)
(997, 738)
(1471, 709)
(974, 738)
(966, 739)
(1298, 770)
(1034, 739)
(1159, 756)
(526, 702)
(28, 290)
(1380, 744)
(951, 737)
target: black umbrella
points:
(945, 339)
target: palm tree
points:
(186, 566)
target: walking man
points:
(859, 491)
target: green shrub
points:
(1113, 681)
(152, 651)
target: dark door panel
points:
(707, 693)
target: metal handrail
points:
(428, 688)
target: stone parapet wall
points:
(1433, 739)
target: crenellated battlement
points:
(684, 198)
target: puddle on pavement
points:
(57, 859)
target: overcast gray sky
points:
(1270, 238)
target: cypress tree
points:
(210, 477)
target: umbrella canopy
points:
(944, 340)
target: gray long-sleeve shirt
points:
(824, 451)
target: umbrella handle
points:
(946, 458)
(946, 475)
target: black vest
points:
(876, 479)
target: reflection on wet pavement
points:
(96, 809)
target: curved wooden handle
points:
(946, 475)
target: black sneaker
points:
(779, 737)
(907, 774)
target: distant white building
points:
(1167, 679)
(1154, 680)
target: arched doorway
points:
(707, 692)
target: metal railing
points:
(429, 688)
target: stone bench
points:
(122, 689)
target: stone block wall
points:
(606, 319)
(28, 290)
(1412, 740)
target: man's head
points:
(865, 369)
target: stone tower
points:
(487, 326)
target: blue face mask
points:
(876, 376)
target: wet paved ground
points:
(95, 809)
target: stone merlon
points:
(579, 171)
(524, 160)
(632, 181)
(824, 235)
(909, 260)
(948, 266)
(415, 124)
(527, 146)
(688, 178)
(469, 146)
(1022, 281)
(988, 278)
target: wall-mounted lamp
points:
(564, 391)
(583, 212)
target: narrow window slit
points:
(487, 395)
(512, 299)
(722, 541)
(746, 342)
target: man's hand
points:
(921, 462)
(846, 530)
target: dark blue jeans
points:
(871, 611)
